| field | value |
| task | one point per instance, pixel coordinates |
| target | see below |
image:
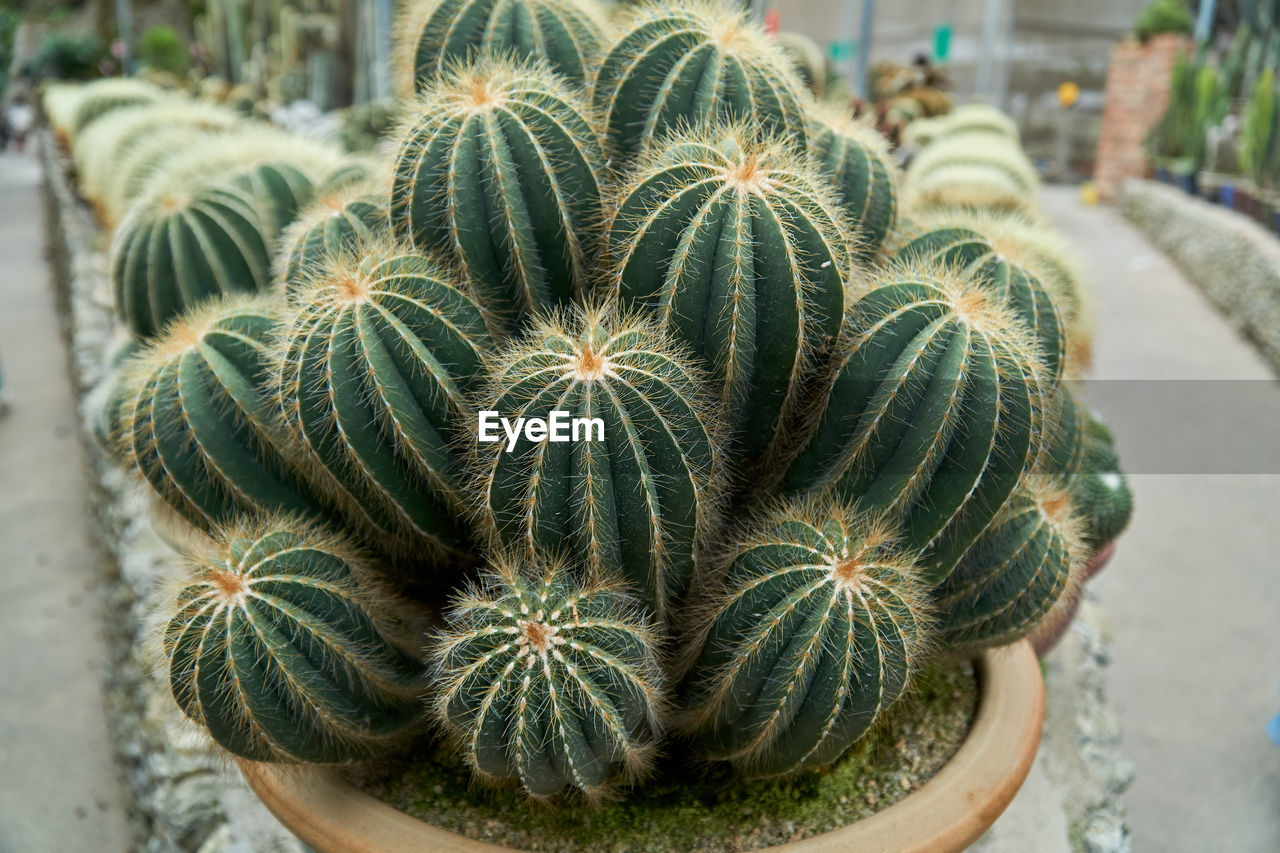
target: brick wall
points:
(1136, 95)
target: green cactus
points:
(931, 413)
(335, 223)
(981, 119)
(1000, 157)
(1015, 572)
(195, 417)
(822, 624)
(438, 35)
(736, 247)
(548, 681)
(501, 170)
(976, 257)
(279, 191)
(856, 158)
(101, 97)
(178, 248)
(378, 353)
(634, 498)
(696, 64)
(965, 187)
(280, 647)
(1100, 488)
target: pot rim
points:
(948, 813)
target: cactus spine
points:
(501, 171)
(634, 501)
(931, 413)
(856, 158)
(1015, 572)
(974, 256)
(548, 681)
(820, 629)
(176, 249)
(278, 646)
(701, 63)
(196, 417)
(736, 248)
(378, 354)
(335, 224)
(442, 34)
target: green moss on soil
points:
(717, 813)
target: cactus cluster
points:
(696, 425)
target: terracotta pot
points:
(947, 813)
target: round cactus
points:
(856, 158)
(821, 626)
(438, 35)
(378, 353)
(736, 248)
(547, 681)
(931, 413)
(336, 223)
(178, 248)
(280, 648)
(101, 97)
(974, 256)
(500, 170)
(1100, 489)
(278, 190)
(196, 417)
(980, 119)
(967, 186)
(700, 63)
(1015, 572)
(1002, 158)
(636, 496)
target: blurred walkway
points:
(59, 787)
(1194, 589)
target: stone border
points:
(183, 796)
(1200, 236)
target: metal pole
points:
(984, 83)
(1001, 94)
(124, 27)
(1204, 20)
(863, 56)
(382, 47)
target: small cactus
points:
(856, 158)
(634, 501)
(438, 35)
(279, 646)
(377, 355)
(279, 190)
(931, 413)
(736, 247)
(704, 61)
(820, 629)
(336, 223)
(101, 97)
(968, 251)
(1004, 158)
(965, 187)
(1100, 488)
(547, 681)
(178, 248)
(500, 170)
(195, 417)
(1015, 572)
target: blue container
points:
(1227, 195)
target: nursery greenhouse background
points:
(670, 425)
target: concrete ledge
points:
(1233, 259)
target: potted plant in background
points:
(1257, 145)
(1197, 102)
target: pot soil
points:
(945, 813)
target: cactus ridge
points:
(1015, 572)
(176, 249)
(820, 629)
(977, 257)
(279, 645)
(636, 505)
(378, 354)
(279, 190)
(549, 681)
(856, 158)
(439, 35)
(196, 417)
(739, 251)
(933, 415)
(701, 63)
(501, 171)
(336, 223)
